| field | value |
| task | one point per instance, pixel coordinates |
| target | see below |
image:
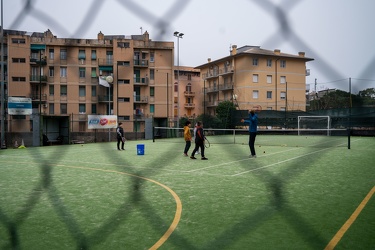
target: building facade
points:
(255, 78)
(62, 78)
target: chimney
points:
(301, 54)
(209, 59)
(234, 50)
(146, 36)
(277, 52)
(100, 36)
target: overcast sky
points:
(338, 34)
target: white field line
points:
(227, 163)
(280, 162)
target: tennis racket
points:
(207, 143)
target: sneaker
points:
(123, 149)
(204, 158)
(252, 156)
(192, 157)
(185, 154)
(198, 153)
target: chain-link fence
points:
(284, 33)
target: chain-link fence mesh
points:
(279, 12)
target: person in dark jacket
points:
(120, 137)
(253, 128)
(199, 142)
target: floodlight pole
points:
(179, 36)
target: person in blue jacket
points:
(253, 128)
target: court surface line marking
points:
(332, 244)
(276, 163)
(178, 212)
(227, 163)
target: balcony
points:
(38, 79)
(140, 81)
(189, 105)
(38, 61)
(210, 75)
(104, 98)
(140, 99)
(189, 93)
(140, 63)
(226, 86)
(212, 89)
(226, 70)
(35, 98)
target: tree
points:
(224, 111)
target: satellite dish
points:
(109, 79)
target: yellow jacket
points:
(187, 135)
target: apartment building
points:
(62, 76)
(251, 77)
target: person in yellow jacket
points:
(187, 137)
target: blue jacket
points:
(253, 122)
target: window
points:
(283, 95)
(255, 61)
(82, 72)
(282, 64)
(18, 60)
(51, 90)
(63, 108)
(282, 109)
(93, 90)
(152, 57)
(93, 108)
(63, 72)
(109, 57)
(51, 71)
(255, 77)
(63, 54)
(18, 40)
(152, 108)
(269, 79)
(81, 55)
(51, 54)
(123, 81)
(269, 62)
(18, 79)
(63, 90)
(123, 63)
(255, 94)
(123, 99)
(269, 94)
(152, 74)
(93, 54)
(82, 108)
(51, 108)
(93, 72)
(283, 79)
(152, 91)
(82, 91)
(175, 87)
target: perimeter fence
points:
(284, 33)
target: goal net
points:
(314, 125)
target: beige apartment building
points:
(253, 77)
(61, 76)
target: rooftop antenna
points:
(141, 30)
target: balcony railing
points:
(38, 79)
(142, 63)
(189, 93)
(189, 105)
(140, 99)
(141, 81)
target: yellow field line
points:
(332, 244)
(178, 212)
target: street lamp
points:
(179, 36)
(109, 79)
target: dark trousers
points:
(187, 146)
(197, 146)
(252, 142)
(119, 139)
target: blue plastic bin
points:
(140, 149)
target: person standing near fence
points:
(199, 142)
(187, 137)
(195, 135)
(120, 136)
(253, 128)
